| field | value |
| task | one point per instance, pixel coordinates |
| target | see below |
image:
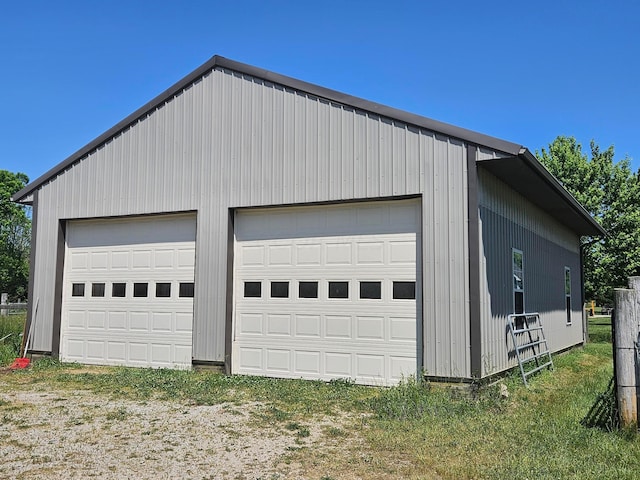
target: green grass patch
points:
(600, 329)
(11, 327)
(290, 397)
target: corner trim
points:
(228, 328)
(32, 269)
(473, 232)
(57, 295)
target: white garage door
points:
(128, 292)
(327, 292)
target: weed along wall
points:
(626, 336)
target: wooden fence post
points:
(626, 332)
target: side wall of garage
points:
(508, 221)
(231, 140)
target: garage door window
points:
(404, 290)
(77, 290)
(186, 289)
(279, 289)
(308, 290)
(372, 290)
(163, 290)
(252, 289)
(119, 290)
(97, 289)
(338, 289)
(140, 289)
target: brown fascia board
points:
(216, 61)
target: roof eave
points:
(537, 184)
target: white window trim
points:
(514, 289)
(567, 295)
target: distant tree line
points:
(15, 236)
(610, 191)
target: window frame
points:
(305, 284)
(514, 288)
(365, 283)
(338, 284)
(567, 294)
(397, 290)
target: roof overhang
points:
(527, 176)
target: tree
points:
(610, 192)
(15, 235)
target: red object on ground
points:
(20, 363)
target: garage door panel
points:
(117, 320)
(117, 352)
(95, 349)
(278, 360)
(370, 366)
(370, 328)
(79, 261)
(402, 252)
(279, 325)
(309, 254)
(250, 324)
(338, 253)
(99, 261)
(250, 359)
(338, 326)
(308, 326)
(280, 255)
(163, 258)
(96, 320)
(251, 255)
(402, 329)
(370, 253)
(77, 319)
(338, 364)
(120, 260)
(162, 322)
(131, 272)
(307, 362)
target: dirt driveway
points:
(64, 434)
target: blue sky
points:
(521, 71)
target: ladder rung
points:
(534, 358)
(529, 345)
(526, 374)
(525, 330)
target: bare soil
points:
(62, 434)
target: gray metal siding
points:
(231, 140)
(509, 221)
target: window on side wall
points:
(518, 280)
(567, 292)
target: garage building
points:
(273, 227)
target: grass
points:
(414, 430)
(12, 326)
(600, 329)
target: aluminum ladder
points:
(529, 343)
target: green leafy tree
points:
(610, 192)
(15, 235)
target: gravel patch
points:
(78, 435)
